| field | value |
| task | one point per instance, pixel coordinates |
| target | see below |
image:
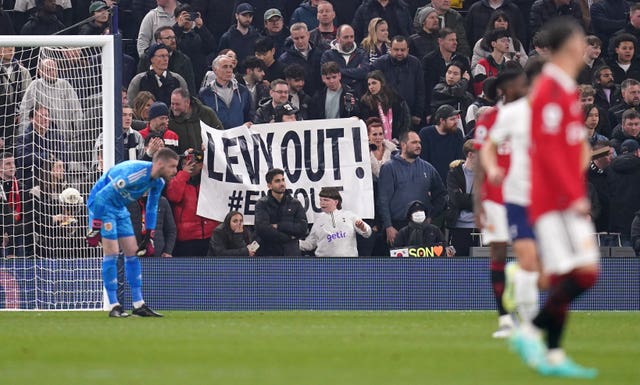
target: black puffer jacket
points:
(418, 234)
(624, 187)
(291, 219)
(226, 243)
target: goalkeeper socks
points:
(526, 294)
(563, 290)
(134, 277)
(497, 283)
(110, 277)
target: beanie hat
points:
(424, 12)
(158, 109)
(153, 48)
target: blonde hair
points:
(370, 42)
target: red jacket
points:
(184, 200)
(170, 138)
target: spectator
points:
(184, 119)
(325, 33)
(152, 144)
(624, 187)
(630, 91)
(44, 20)
(377, 42)
(592, 59)
(404, 73)
(426, 40)
(260, 7)
(252, 77)
(14, 81)
(394, 12)
(40, 142)
(419, 231)
(12, 209)
(178, 62)
(434, 64)
(450, 19)
(158, 80)
(336, 100)
(453, 91)
(483, 49)
(300, 51)
(628, 130)
(58, 97)
(482, 12)
(486, 99)
(194, 39)
(132, 140)
(194, 231)
(266, 51)
(542, 11)
(230, 101)
(404, 179)
(280, 219)
(161, 16)
(275, 29)
(442, 142)
(241, 37)
(635, 233)
(100, 23)
(632, 25)
(624, 64)
(587, 97)
(597, 176)
(459, 216)
(216, 15)
(382, 102)
(591, 120)
(608, 93)
(6, 24)
(334, 231)
(165, 232)
(294, 75)
(141, 104)
(159, 125)
(306, 13)
(607, 17)
(351, 59)
(279, 95)
(488, 67)
(231, 238)
(540, 43)
(286, 112)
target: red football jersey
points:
(485, 122)
(557, 138)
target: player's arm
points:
(489, 162)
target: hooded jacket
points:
(307, 14)
(624, 188)
(354, 73)
(618, 136)
(187, 126)
(183, 192)
(291, 219)
(334, 235)
(226, 243)
(233, 115)
(396, 13)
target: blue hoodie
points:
(402, 182)
(234, 115)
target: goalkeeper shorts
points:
(115, 224)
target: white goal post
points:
(56, 96)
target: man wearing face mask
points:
(419, 231)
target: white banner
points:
(312, 153)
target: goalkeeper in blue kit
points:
(111, 222)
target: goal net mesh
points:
(51, 101)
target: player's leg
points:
(133, 269)
(109, 266)
(571, 255)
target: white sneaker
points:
(505, 327)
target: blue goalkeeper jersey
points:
(125, 183)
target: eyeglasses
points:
(162, 56)
(168, 38)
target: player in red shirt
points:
(491, 215)
(559, 207)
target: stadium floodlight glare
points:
(58, 97)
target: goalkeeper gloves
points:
(146, 246)
(93, 237)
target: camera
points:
(193, 15)
(194, 155)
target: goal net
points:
(56, 98)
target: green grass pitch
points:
(301, 348)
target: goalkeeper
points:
(111, 223)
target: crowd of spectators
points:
(418, 72)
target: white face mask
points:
(418, 216)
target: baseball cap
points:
(272, 12)
(97, 6)
(244, 8)
(445, 111)
(629, 146)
